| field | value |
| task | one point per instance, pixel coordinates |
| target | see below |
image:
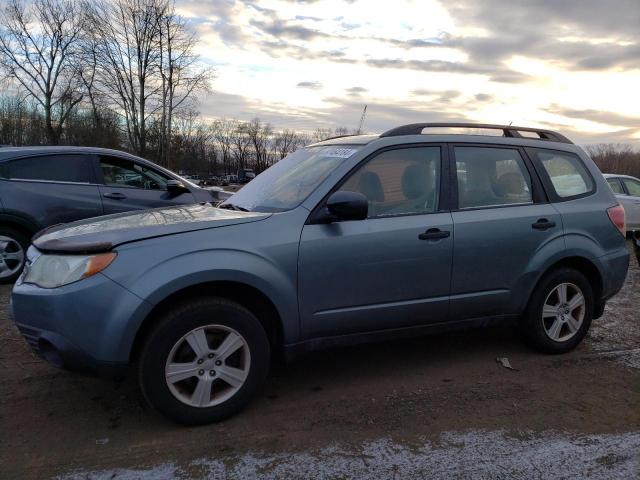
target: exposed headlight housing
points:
(51, 271)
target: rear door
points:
(632, 202)
(50, 189)
(501, 221)
(129, 185)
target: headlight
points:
(51, 271)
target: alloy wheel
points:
(207, 366)
(563, 312)
(11, 256)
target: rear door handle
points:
(434, 234)
(115, 196)
(543, 224)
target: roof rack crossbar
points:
(507, 130)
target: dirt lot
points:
(429, 407)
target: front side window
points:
(399, 182)
(491, 177)
(53, 168)
(120, 172)
(566, 171)
(616, 186)
(633, 186)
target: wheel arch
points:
(244, 294)
(23, 225)
(583, 265)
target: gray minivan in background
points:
(44, 186)
(354, 239)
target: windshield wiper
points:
(231, 206)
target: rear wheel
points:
(560, 311)
(13, 248)
(204, 361)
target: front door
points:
(391, 270)
(500, 223)
(128, 185)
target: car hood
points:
(104, 233)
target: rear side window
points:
(403, 181)
(53, 168)
(491, 177)
(616, 186)
(633, 186)
(566, 171)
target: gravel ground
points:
(434, 407)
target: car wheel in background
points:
(559, 312)
(204, 361)
(13, 252)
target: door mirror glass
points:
(344, 205)
(176, 187)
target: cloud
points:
(598, 116)
(310, 85)
(356, 91)
(483, 97)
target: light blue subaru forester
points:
(353, 239)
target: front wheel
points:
(204, 361)
(559, 312)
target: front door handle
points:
(115, 196)
(543, 224)
(434, 234)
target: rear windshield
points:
(289, 182)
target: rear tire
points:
(219, 378)
(13, 253)
(560, 311)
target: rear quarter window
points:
(568, 176)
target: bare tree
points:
(182, 76)
(39, 50)
(223, 138)
(240, 144)
(126, 35)
(286, 142)
(260, 135)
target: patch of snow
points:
(474, 454)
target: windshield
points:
(289, 182)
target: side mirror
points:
(176, 187)
(344, 205)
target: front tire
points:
(13, 252)
(559, 312)
(204, 362)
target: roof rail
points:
(507, 130)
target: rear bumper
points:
(615, 267)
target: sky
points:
(570, 65)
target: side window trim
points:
(92, 181)
(537, 191)
(546, 179)
(444, 203)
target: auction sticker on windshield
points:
(340, 152)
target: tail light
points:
(617, 217)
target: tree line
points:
(122, 74)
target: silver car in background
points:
(627, 191)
